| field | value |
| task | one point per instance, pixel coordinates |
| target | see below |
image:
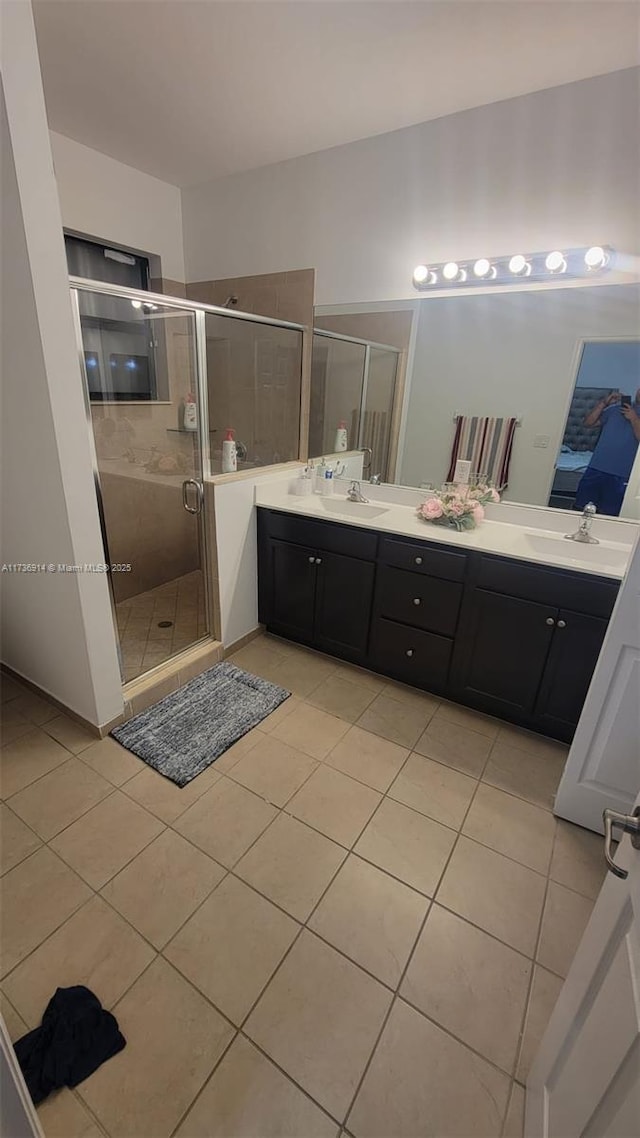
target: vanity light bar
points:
(514, 267)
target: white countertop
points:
(522, 541)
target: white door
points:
(585, 1080)
(603, 768)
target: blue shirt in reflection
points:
(616, 447)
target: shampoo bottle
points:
(341, 436)
(190, 414)
(229, 453)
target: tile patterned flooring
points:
(143, 643)
(356, 922)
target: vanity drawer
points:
(413, 598)
(580, 592)
(420, 658)
(332, 537)
(423, 558)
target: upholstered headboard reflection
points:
(576, 435)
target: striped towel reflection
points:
(486, 443)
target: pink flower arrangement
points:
(458, 507)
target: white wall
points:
(57, 627)
(559, 167)
(505, 354)
(237, 552)
(106, 199)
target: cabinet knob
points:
(418, 561)
(311, 560)
(318, 561)
(409, 652)
(417, 601)
(550, 620)
(562, 624)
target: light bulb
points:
(450, 271)
(421, 274)
(136, 304)
(555, 262)
(518, 265)
(595, 257)
(482, 268)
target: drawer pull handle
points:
(562, 624)
(417, 601)
(409, 652)
(550, 620)
(418, 561)
(311, 560)
(318, 561)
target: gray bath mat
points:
(188, 730)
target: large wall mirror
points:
(544, 385)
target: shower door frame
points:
(367, 345)
(200, 311)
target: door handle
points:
(629, 824)
(562, 624)
(199, 488)
(550, 620)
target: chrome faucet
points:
(583, 532)
(354, 493)
(375, 479)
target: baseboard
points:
(243, 641)
(43, 694)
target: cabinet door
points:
(343, 604)
(292, 573)
(501, 652)
(575, 647)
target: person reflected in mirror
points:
(604, 482)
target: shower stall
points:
(164, 379)
(353, 381)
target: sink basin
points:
(348, 509)
(606, 555)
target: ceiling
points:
(190, 90)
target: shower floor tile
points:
(159, 623)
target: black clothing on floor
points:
(76, 1035)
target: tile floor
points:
(143, 643)
(355, 923)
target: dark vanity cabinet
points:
(417, 603)
(528, 641)
(509, 637)
(316, 582)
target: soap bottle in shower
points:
(229, 453)
(190, 414)
(341, 441)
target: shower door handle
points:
(199, 489)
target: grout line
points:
(403, 973)
(304, 925)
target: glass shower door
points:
(377, 408)
(140, 363)
(337, 378)
(253, 389)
